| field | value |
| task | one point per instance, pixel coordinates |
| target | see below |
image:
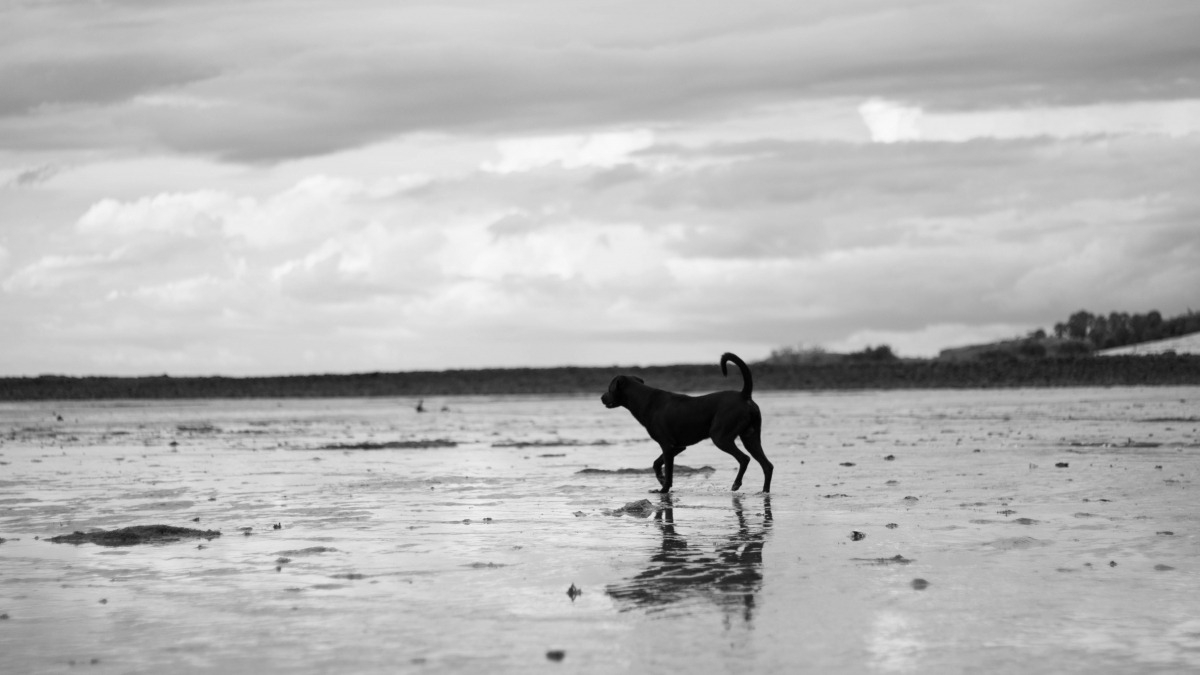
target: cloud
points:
(295, 88)
(891, 122)
(603, 150)
(452, 184)
(33, 176)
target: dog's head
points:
(615, 395)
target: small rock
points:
(889, 458)
(1163, 568)
(1112, 563)
(847, 464)
(855, 535)
(574, 592)
(1167, 533)
(920, 584)
(891, 526)
(1062, 465)
(556, 655)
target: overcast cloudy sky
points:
(266, 187)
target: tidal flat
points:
(922, 531)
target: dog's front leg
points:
(658, 468)
(664, 467)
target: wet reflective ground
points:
(970, 549)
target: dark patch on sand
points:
(311, 550)
(642, 508)
(680, 470)
(131, 536)
(554, 443)
(393, 445)
(1017, 543)
(894, 560)
(1127, 443)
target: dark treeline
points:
(1118, 329)
(842, 375)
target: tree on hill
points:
(1118, 329)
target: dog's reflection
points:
(730, 575)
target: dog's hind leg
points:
(743, 461)
(751, 438)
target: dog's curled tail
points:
(747, 381)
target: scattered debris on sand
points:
(680, 470)
(137, 534)
(420, 444)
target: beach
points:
(1007, 530)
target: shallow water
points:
(459, 559)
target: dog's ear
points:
(637, 379)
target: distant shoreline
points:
(1109, 371)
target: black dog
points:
(676, 421)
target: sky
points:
(259, 187)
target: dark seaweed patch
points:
(393, 445)
(132, 536)
(680, 470)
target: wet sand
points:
(1044, 530)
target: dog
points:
(676, 421)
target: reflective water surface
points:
(1050, 531)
